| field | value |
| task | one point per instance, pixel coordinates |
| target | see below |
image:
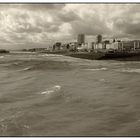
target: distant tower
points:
(99, 38)
(114, 40)
(81, 39)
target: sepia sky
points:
(37, 25)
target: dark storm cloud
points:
(28, 28)
(38, 13)
(4, 40)
(128, 27)
(32, 7)
(90, 25)
(19, 39)
(44, 6)
(128, 22)
(48, 26)
(68, 16)
(52, 28)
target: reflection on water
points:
(52, 95)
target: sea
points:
(54, 95)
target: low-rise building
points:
(57, 46)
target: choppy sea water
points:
(51, 95)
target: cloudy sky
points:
(38, 25)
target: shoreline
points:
(131, 58)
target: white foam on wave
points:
(132, 62)
(50, 55)
(45, 55)
(16, 63)
(47, 92)
(28, 68)
(102, 80)
(1, 56)
(97, 69)
(131, 70)
(52, 89)
(26, 126)
(103, 68)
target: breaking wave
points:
(50, 55)
(1, 56)
(53, 89)
(25, 69)
(96, 69)
(131, 70)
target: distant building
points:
(73, 45)
(57, 46)
(93, 45)
(98, 46)
(136, 44)
(83, 47)
(113, 46)
(89, 45)
(127, 45)
(99, 38)
(81, 39)
(123, 45)
(106, 41)
(130, 45)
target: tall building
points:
(81, 39)
(99, 38)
